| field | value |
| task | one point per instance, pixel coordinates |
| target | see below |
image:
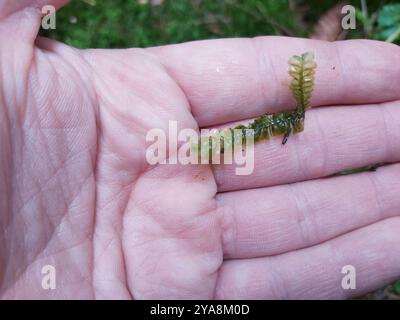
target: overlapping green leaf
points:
(302, 70)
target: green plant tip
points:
(396, 287)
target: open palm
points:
(77, 193)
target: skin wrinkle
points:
(172, 73)
(47, 253)
(23, 83)
(54, 175)
(150, 270)
(377, 197)
(368, 176)
(299, 163)
(96, 109)
(96, 258)
(21, 176)
(16, 269)
(13, 219)
(117, 196)
(382, 109)
(178, 84)
(39, 251)
(276, 288)
(323, 146)
(279, 285)
(30, 65)
(112, 240)
(98, 209)
(106, 112)
(94, 94)
(93, 259)
(48, 111)
(164, 67)
(336, 260)
(121, 227)
(78, 72)
(53, 51)
(30, 8)
(125, 272)
(78, 267)
(34, 106)
(176, 231)
(342, 74)
(303, 215)
(7, 192)
(346, 94)
(262, 58)
(229, 230)
(80, 189)
(221, 223)
(82, 242)
(94, 172)
(116, 113)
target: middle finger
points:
(335, 139)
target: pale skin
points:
(77, 193)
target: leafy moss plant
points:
(302, 70)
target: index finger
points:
(234, 79)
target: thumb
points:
(21, 19)
(8, 7)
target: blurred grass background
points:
(143, 23)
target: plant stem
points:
(393, 36)
(367, 26)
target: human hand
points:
(77, 193)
